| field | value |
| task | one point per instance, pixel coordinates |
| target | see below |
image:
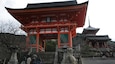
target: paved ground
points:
(98, 61)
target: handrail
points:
(40, 48)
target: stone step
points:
(47, 57)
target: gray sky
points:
(100, 12)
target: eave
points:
(81, 9)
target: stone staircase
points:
(47, 57)
(53, 57)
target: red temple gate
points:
(50, 22)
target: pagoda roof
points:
(51, 4)
(90, 30)
(98, 37)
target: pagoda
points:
(93, 40)
(90, 30)
(53, 20)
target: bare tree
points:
(11, 30)
(2, 27)
(7, 38)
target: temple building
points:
(88, 38)
(93, 40)
(53, 20)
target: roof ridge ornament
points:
(89, 22)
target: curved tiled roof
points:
(51, 4)
(90, 30)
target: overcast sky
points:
(101, 14)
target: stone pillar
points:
(13, 59)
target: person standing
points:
(35, 60)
